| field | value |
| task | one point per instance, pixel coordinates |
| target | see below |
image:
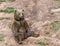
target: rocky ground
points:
(38, 16)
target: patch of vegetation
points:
(8, 10)
(57, 0)
(4, 18)
(7, 0)
(1, 37)
(58, 22)
(59, 6)
(2, 0)
(42, 43)
(47, 32)
(55, 25)
(12, 0)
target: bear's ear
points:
(22, 11)
(16, 15)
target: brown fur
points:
(21, 29)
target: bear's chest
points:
(22, 30)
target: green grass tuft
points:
(47, 32)
(1, 37)
(4, 18)
(57, 0)
(41, 43)
(58, 22)
(9, 10)
(12, 0)
(2, 0)
(53, 26)
(6, 0)
(59, 6)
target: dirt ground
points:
(38, 16)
